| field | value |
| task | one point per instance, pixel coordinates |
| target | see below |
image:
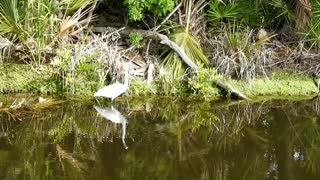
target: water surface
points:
(159, 139)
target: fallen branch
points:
(165, 40)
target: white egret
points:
(114, 90)
(114, 116)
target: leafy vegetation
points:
(80, 75)
(136, 39)
(202, 82)
(35, 24)
(137, 8)
(139, 87)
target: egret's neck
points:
(126, 77)
(124, 125)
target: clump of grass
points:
(237, 53)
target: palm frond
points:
(311, 32)
(192, 48)
(283, 10)
(9, 16)
(183, 38)
(73, 5)
(70, 23)
(218, 10)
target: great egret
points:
(114, 116)
(114, 90)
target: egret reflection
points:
(113, 115)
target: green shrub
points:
(139, 87)
(80, 74)
(202, 82)
(136, 39)
(252, 13)
(137, 8)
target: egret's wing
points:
(110, 91)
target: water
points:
(159, 139)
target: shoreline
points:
(22, 78)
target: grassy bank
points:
(23, 78)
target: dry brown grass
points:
(246, 60)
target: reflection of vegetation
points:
(189, 139)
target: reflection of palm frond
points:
(311, 134)
(312, 158)
(63, 155)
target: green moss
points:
(280, 84)
(23, 78)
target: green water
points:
(165, 139)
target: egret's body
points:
(114, 90)
(114, 116)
